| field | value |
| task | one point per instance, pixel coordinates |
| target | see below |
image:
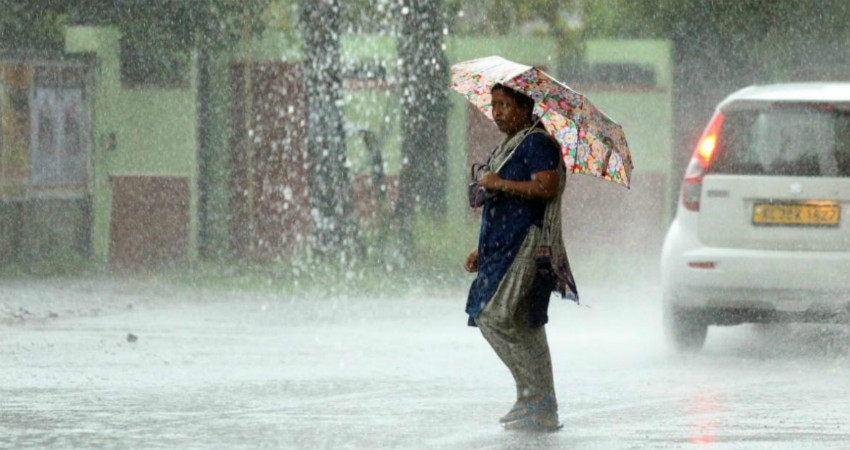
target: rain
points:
(245, 224)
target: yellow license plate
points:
(808, 213)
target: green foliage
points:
(370, 16)
(655, 18)
(746, 41)
(217, 22)
(154, 56)
(468, 17)
(37, 24)
(355, 16)
(770, 38)
(562, 20)
(617, 19)
(740, 18)
(30, 25)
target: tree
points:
(423, 77)
(562, 20)
(31, 25)
(37, 24)
(334, 229)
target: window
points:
(792, 141)
(59, 135)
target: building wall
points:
(136, 131)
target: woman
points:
(520, 258)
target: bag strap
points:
(551, 215)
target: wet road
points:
(214, 371)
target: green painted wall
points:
(156, 131)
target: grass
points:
(58, 265)
(433, 266)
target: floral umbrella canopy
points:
(591, 143)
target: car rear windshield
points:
(801, 141)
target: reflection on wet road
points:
(227, 371)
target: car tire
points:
(686, 329)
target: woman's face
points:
(507, 113)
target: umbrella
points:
(591, 143)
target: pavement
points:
(214, 369)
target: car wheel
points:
(686, 329)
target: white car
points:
(762, 230)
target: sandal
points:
(547, 421)
(519, 411)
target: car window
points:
(794, 141)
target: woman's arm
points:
(542, 186)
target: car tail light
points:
(704, 154)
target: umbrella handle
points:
(607, 141)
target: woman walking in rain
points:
(520, 258)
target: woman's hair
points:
(521, 99)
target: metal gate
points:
(269, 202)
